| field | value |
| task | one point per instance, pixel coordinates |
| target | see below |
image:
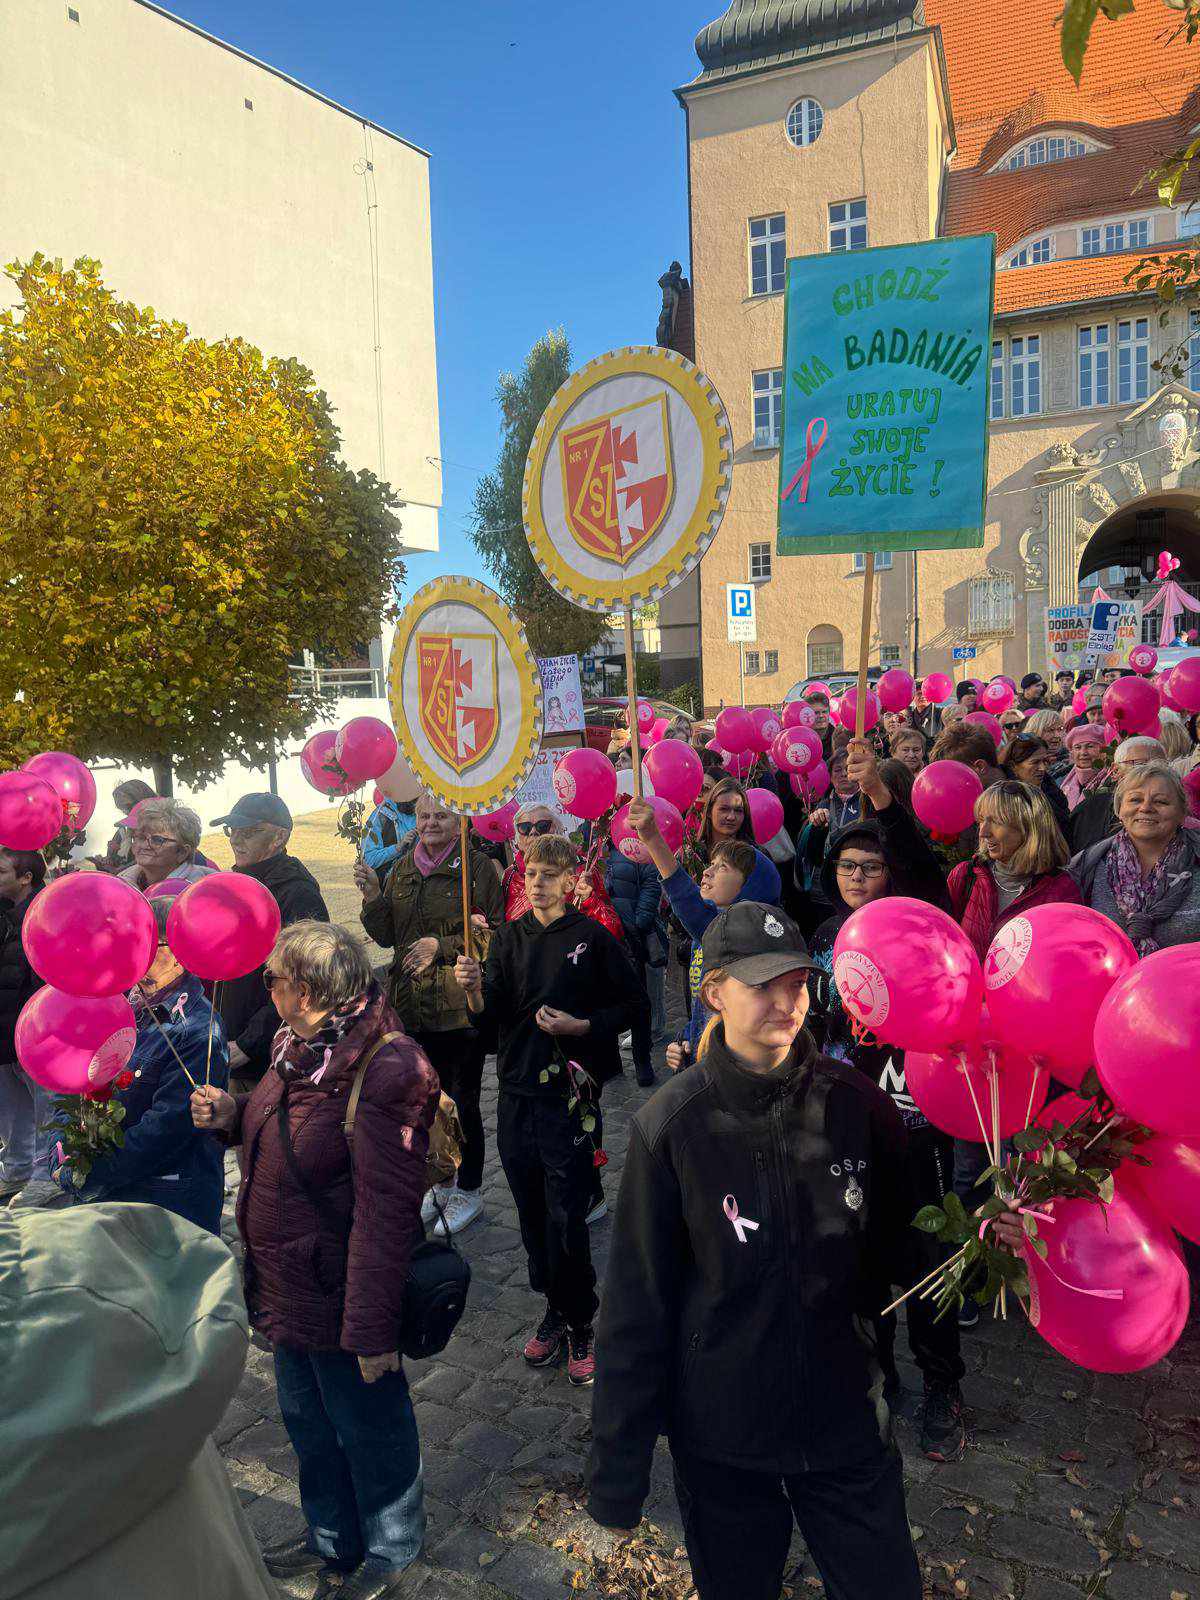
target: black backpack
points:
(435, 1293)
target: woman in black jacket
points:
(763, 1207)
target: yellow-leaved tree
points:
(175, 527)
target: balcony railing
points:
(344, 683)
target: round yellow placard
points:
(465, 695)
(627, 478)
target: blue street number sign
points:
(965, 652)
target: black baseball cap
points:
(252, 809)
(1030, 678)
(754, 943)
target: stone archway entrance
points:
(1122, 555)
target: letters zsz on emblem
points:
(457, 681)
(617, 478)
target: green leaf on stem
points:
(930, 1219)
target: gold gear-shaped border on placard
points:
(702, 400)
(462, 799)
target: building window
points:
(1115, 236)
(1032, 254)
(1025, 375)
(771, 661)
(997, 390)
(760, 562)
(992, 606)
(1089, 241)
(1093, 365)
(889, 655)
(768, 255)
(1188, 224)
(768, 407)
(1194, 350)
(883, 560)
(1133, 359)
(750, 663)
(1039, 151)
(848, 225)
(804, 123)
(824, 651)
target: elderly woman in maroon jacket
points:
(329, 1232)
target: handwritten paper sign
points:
(1098, 635)
(887, 355)
(562, 695)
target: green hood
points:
(122, 1340)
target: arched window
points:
(1046, 147)
(824, 650)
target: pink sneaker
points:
(581, 1356)
(546, 1344)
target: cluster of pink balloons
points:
(365, 749)
(1131, 706)
(944, 796)
(92, 937)
(51, 791)
(1181, 686)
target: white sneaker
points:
(461, 1209)
(37, 1192)
(440, 1193)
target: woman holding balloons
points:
(165, 1159)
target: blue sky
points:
(558, 179)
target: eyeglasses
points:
(159, 840)
(526, 828)
(270, 979)
(869, 870)
(244, 830)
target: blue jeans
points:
(24, 1107)
(360, 1459)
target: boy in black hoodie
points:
(883, 855)
(557, 992)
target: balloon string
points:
(171, 1047)
(212, 1018)
(964, 1069)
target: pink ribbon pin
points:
(730, 1207)
(579, 950)
(812, 446)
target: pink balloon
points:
(741, 764)
(646, 716)
(1046, 975)
(1079, 702)
(1143, 658)
(818, 688)
(377, 797)
(1123, 1250)
(812, 783)
(997, 696)
(735, 730)
(365, 748)
(1146, 1038)
(1171, 1182)
(937, 688)
(167, 889)
(768, 726)
(908, 972)
(1185, 684)
(1131, 703)
(657, 729)
(834, 707)
(71, 781)
(497, 826)
(796, 749)
(585, 783)
(798, 715)
(896, 689)
(766, 814)
(849, 706)
(985, 719)
(313, 764)
(70, 1045)
(1168, 694)
(938, 1082)
(1111, 736)
(944, 797)
(31, 813)
(398, 782)
(90, 934)
(676, 772)
(1066, 1108)
(223, 926)
(670, 825)
(1191, 784)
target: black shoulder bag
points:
(435, 1293)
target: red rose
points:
(124, 1079)
(600, 1158)
(99, 1094)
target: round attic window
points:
(804, 123)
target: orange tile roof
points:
(1054, 283)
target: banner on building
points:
(1090, 636)
(562, 694)
(887, 355)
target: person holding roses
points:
(165, 1159)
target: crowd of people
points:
(770, 1181)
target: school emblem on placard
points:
(617, 478)
(459, 702)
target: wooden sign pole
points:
(463, 850)
(631, 691)
(864, 645)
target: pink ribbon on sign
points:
(812, 446)
(730, 1207)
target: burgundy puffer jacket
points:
(974, 901)
(332, 1276)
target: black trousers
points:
(548, 1163)
(640, 1034)
(457, 1058)
(738, 1525)
(934, 1344)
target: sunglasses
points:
(526, 828)
(270, 979)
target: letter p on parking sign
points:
(740, 613)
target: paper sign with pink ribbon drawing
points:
(886, 366)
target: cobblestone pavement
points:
(1074, 1483)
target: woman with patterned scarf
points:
(1147, 876)
(328, 1233)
